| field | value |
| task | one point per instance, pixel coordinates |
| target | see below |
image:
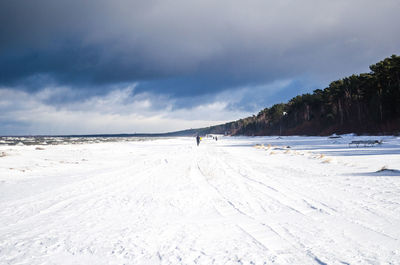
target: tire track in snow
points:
(70, 194)
(71, 206)
(252, 225)
(351, 224)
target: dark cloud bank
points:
(194, 45)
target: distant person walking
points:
(198, 140)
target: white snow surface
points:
(238, 200)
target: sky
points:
(126, 66)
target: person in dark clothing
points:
(198, 140)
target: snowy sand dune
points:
(262, 200)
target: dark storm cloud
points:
(185, 48)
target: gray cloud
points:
(188, 61)
(219, 45)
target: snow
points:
(238, 200)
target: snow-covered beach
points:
(238, 200)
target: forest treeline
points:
(367, 103)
